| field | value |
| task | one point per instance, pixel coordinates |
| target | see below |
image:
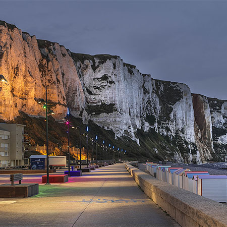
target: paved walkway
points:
(105, 197)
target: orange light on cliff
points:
(3, 79)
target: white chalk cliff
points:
(104, 89)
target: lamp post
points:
(47, 151)
(80, 144)
(46, 106)
(67, 123)
(87, 145)
(92, 153)
(113, 154)
(96, 138)
(103, 144)
(77, 127)
(109, 153)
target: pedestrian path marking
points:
(110, 201)
(6, 202)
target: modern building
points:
(4, 148)
(11, 145)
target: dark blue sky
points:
(183, 41)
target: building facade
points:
(4, 148)
(11, 145)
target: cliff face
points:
(203, 127)
(218, 113)
(120, 98)
(29, 65)
(111, 93)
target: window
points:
(6, 154)
(4, 137)
(5, 145)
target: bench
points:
(16, 177)
(74, 173)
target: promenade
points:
(105, 197)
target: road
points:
(105, 197)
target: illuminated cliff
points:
(111, 93)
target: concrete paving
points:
(105, 197)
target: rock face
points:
(218, 112)
(111, 93)
(120, 98)
(29, 65)
(203, 127)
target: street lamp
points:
(87, 145)
(67, 123)
(113, 154)
(109, 153)
(80, 143)
(103, 142)
(48, 182)
(46, 106)
(96, 138)
(92, 153)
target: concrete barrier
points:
(187, 208)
